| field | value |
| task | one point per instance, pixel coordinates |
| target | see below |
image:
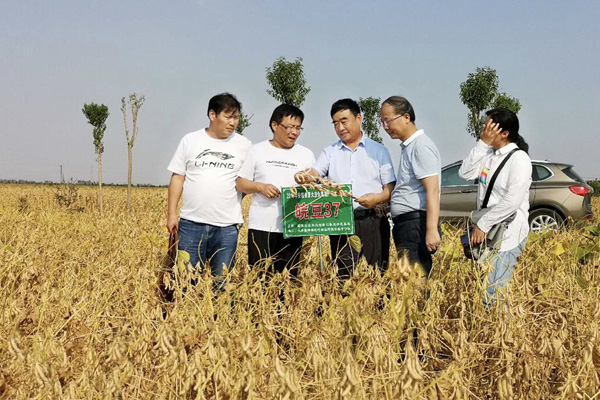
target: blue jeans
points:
(502, 269)
(208, 244)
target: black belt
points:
(364, 212)
(408, 216)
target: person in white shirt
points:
(204, 169)
(270, 166)
(510, 193)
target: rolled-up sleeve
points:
(386, 168)
(322, 163)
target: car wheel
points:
(545, 219)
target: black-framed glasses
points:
(292, 128)
(387, 123)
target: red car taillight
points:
(579, 190)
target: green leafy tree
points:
(505, 101)
(96, 115)
(369, 107)
(244, 122)
(287, 81)
(135, 103)
(480, 93)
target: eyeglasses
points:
(387, 123)
(292, 128)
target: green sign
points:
(310, 212)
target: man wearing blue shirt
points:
(367, 165)
(415, 204)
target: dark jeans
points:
(285, 252)
(409, 237)
(209, 244)
(374, 234)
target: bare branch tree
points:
(135, 102)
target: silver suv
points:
(557, 195)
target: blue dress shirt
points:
(367, 168)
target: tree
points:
(96, 115)
(287, 81)
(479, 93)
(244, 122)
(369, 107)
(505, 101)
(135, 103)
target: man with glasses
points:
(367, 165)
(270, 166)
(415, 204)
(204, 169)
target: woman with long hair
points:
(508, 201)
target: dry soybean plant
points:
(82, 317)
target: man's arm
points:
(306, 176)
(432, 190)
(175, 190)
(319, 169)
(370, 200)
(247, 186)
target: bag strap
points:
(488, 191)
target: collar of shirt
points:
(412, 138)
(506, 149)
(363, 138)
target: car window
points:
(450, 177)
(541, 173)
(570, 172)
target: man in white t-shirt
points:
(270, 166)
(205, 167)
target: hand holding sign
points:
(306, 176)
(268, 190)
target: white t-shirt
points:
(269, 164)
(210, 167)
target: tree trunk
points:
(130, 159)
(100, 183)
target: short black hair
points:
(508, 121)
(224, 102)
(285, 110)
(401, 106)
(345, 104)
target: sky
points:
(58, 55)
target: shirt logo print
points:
(218, 154)
(214, 164)
(484, 175)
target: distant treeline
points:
(596, 185)
(78, 182)
(593, 183)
